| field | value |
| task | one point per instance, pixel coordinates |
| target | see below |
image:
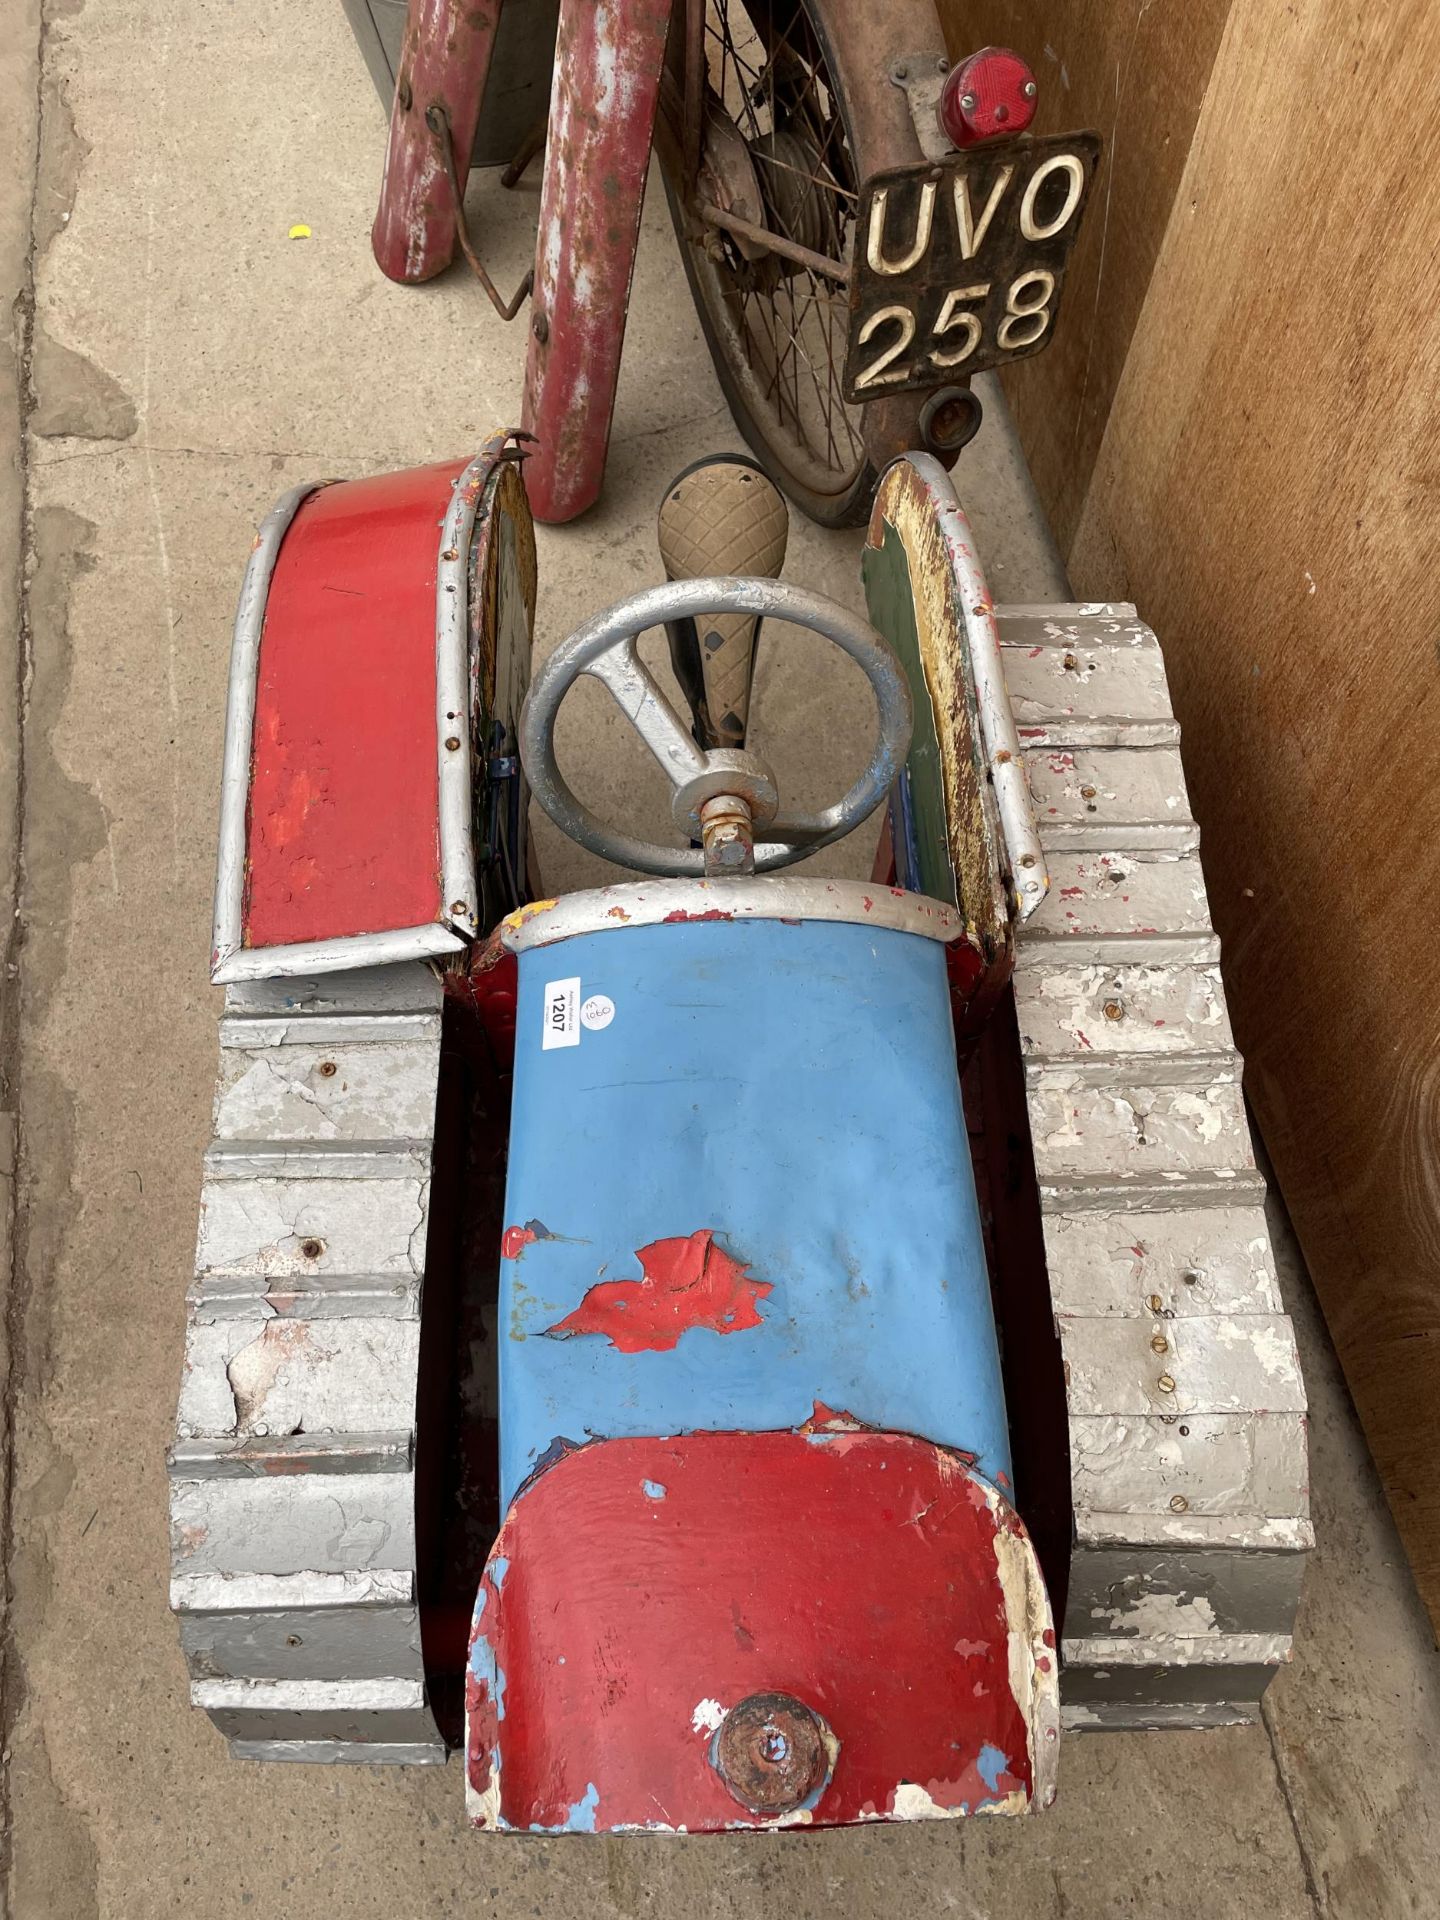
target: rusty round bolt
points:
(1184, 1433)
(451, 553)
(1070, 663)
(458, 907)
(1087, 793)
(770, 1752)
(1113, 1010)
(1002, 758)
(1156, 1303)
(1192, 1276)
(1027, 859)
(327, 1069)
(1178, 1503)
(293, 1640)
(1159, 1344)
(452, 743)
(1165, 1383)
(540, 326)
(312, 1249)
(728, 835)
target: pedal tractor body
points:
(593, 1360)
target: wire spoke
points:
(768, 76)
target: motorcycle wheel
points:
(777, 128)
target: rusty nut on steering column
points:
(728, 770)
(727, 833)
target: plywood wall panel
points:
(1136, 70)
(1268, 490)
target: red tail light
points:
(990, 93)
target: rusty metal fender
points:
(444, 62)
(608, 60)
(863, 44)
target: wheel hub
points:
(787, 163)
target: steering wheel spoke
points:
(642, 700)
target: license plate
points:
(959, 264)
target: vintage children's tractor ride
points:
(726, 1349)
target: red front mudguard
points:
(444, 63)
(608, 61)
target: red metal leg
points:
(443, 65)
(608, 61)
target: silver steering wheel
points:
(724, 798)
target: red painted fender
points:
(648, 1601)
(608, 58)
(346, 836)
(444, 61)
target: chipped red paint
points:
(710, 913)
(689, 1282)
(825, 1419)
(444, 60)
(608, 58)
(965, 965)
(858, 1573)
(514, 1240)
(488, 989)
(343, 832)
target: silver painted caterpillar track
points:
(1186, 1407)
(292, 1484)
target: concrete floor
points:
(176, 362)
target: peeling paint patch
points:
(581, 1818)
(514, 1240)
(707, 1716)
(487, 1673)
(513, 922)
(913, 1802)
(688, 1282)
(652, 1489)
